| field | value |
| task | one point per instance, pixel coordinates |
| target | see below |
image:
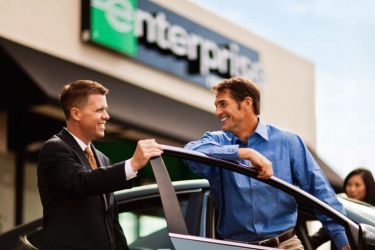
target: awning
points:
(129, 105)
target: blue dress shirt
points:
(252, 210)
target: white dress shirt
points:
(129, 172)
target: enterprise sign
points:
(158, 37)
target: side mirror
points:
(367, 237)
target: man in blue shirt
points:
(254, 211)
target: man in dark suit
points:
(76, 181)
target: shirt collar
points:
(261, 130)
(79, 141)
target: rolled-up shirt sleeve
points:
(211, 145)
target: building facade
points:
(158, 58)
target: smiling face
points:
(231, 114)
(91, 118)
(356, 188)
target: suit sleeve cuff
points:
(129, 173)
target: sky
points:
(338, 37)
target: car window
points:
(139, 224)
(144, 223)
(313, 227)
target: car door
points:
(142, 217)
(178, 231)
(359, 236)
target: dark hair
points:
(240, 88)
(75, 94)
(368, 179)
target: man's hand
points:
(346, 248)
(145, 150)
(258, 160)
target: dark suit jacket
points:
(72, 195)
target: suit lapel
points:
(102, 162)
(69, 139)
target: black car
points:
(182, 215)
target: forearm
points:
(214, 149)
(263, 165)
(209, 146)
(246, 154)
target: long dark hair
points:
(368, 179)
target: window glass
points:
(136, 226)
(144, 224)
(313, 226)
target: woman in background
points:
(359, 184)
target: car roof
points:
(358, 212)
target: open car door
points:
(360, 237)
(178, 232)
